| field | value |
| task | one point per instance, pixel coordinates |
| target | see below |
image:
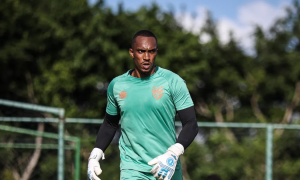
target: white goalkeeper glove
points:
(165, 164)
(94, 165)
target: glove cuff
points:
(177, 149)
(97, 154)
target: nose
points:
(147, 56)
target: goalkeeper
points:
(145, 100)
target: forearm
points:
(189, 126)
(107, 131)
(167, 162)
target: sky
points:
(238, 16)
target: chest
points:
(143, 96)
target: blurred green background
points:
(64, 53)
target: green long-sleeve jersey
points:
(147, 107)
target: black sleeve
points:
(189, 126)
(107, 131)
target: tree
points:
(64, 54)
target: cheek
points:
(153, 57)
(138, 57)
(137, 60)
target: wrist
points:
(177, 149)
(97, 154)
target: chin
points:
(148, 71)
(145, 72)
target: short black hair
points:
(145, 33)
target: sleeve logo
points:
(157, 92)
(122, 94)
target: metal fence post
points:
(77, 160)
(269, 152)
(61, 148)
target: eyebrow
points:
(142, 49)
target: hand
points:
(165, 164)
(94, 165)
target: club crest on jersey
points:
(122, 94)
(157, 92)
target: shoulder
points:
(116, 80)
(169, 75)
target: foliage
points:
(64, 54)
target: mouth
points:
(146, 66)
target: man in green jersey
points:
(145, 101)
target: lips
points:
(146, 66)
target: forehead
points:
(145, 42)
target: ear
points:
(131, 52)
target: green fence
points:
(75, 140)
(269, 137)
(56, 111)
(269, 131)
